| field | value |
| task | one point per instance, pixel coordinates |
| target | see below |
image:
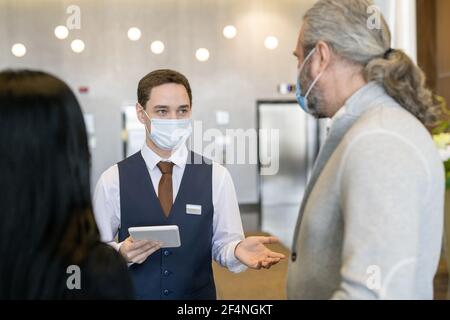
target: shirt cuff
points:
(117, 246)
(234, 264)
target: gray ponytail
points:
(405, 82)
(343, 25)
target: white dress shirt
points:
(227, 224)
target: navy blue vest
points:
(173, 273)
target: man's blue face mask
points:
(302, 100)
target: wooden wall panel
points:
(426, 39)
(443, 48)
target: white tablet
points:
(169, 236)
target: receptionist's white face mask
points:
(169, 134)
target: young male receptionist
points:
(159, 186)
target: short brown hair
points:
(157, 78)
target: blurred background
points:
(238, 58)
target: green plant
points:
(441, 136)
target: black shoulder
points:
(104, 275)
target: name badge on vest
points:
(193, 209)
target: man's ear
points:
(323, 58)
(140, 114)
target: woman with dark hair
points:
(48, 232)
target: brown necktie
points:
(165, 191)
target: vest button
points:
(166, 292)
(294, 257)
(166, 253)
(166, 272)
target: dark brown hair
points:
(157, 78)
(45, 196)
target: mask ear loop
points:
(148, 117)
(313, 84)
(144, 111)
(317, 78)
(306, 60)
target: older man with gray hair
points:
(370, 225)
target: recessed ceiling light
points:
(202, 54)
(271, 43)
(229, 32)
(134, 34)
(61, 32)
(19, 50)
(157, 47)
(77, 46)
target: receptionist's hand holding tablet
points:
(168, 236)
(144, 241)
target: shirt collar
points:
(340, 113)
(358, 103)
(365, 98)
(179, 157)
